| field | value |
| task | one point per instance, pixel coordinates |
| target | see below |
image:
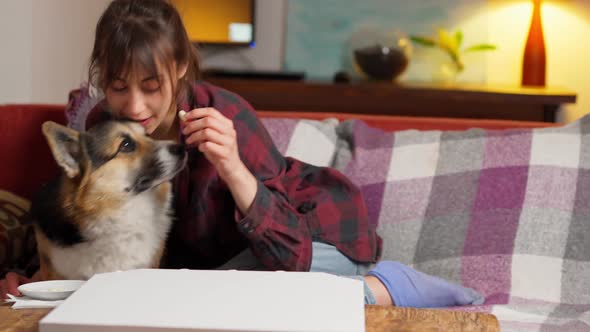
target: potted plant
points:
(450, 43)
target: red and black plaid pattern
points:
(296, 203)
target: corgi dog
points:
(110, 209)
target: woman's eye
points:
(127, 145)
(151, 85)
(118, 86)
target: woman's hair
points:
(134, 34)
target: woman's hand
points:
(11, 281)
(214, 135)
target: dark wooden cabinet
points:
(409, 99)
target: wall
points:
(63, 33)
(317, 33)
(321, 35)
(46, 46)
(16, 30)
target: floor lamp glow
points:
(534, 59)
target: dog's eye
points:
(127, 145)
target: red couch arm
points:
(26, 159)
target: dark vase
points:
(534, 60)
(377, 53)
(380, 62)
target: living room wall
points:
(46, 44)
(318, 32)
(16, 30)
(321, 35)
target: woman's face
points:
(141, 97)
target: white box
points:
(194, 300)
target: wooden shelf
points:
(409, 99)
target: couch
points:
(499, 206)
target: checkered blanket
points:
(506, 212)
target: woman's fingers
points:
(11, 282)
(194, 126)
(209, 125)
(209, 135)
(199, 113)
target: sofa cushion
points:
(503, 211)
(17, 239)
(311, 141)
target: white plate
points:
(50, 290)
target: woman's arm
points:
(293, 201)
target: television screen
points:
(221, 22)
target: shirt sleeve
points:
(84, 108)
(292, 197)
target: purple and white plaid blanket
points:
(506, 212)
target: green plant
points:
(451, 44)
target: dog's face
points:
(115, 186)
(114, 158)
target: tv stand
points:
(409, 99)
(254, 74)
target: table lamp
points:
(533, 64)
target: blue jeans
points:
(325, 258)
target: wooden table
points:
(480, 101)
(377, 318)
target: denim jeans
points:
(325, 258)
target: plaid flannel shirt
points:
(295, 204)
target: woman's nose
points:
(135, 105)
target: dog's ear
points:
(65, 146)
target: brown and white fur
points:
(111, 208)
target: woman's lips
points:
(145, 122)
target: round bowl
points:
(50, 290)
(380, 62)
(378, 53)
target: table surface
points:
(377, 319)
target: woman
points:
(239, 203)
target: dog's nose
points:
(176, 149)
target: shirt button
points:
(247, 226)
(306, 207)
